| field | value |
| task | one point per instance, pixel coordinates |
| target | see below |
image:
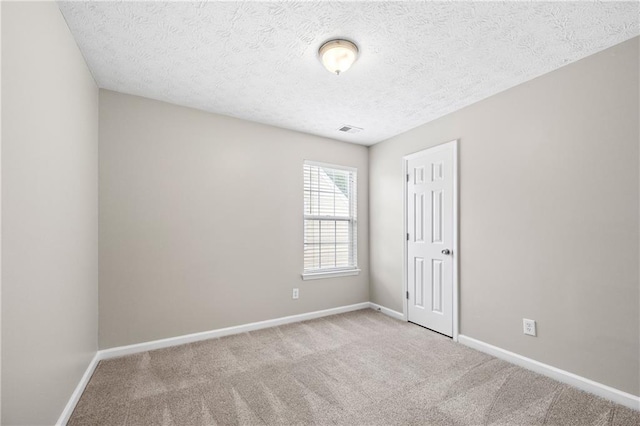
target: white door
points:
(430, 237)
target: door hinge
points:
(407, 236)
(407, 295)
(408, 177)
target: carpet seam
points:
(497, 396)
(553, 403)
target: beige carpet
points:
(359, 368)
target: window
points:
(330, 240)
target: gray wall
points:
(201, 221)
(49, 214)
(548, 216)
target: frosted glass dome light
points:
(337, 56)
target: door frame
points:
(456, 253)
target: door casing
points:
(455, 249)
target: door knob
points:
(446, 251)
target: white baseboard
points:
(221, 332)
(189, 338)
(387, 311)
(563, 376)
(77, 393)
(579, 382)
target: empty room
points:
(320, 213)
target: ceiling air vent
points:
(349, 129)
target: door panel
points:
(419, 217)
(418, 284)
(430, 223)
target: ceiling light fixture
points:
(337, 56)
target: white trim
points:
(405, 243)
(582, 383)
(547, 370)
(456, 254)
(352, 220)
(434, 148)
(405, 246)
(330, 166)
(221, 332)
(390, 312)
(190, 338)
(456, 245)
(329, 274)
(77, 393)
(338, 218)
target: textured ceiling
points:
(258, 60)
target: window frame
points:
(312, 274)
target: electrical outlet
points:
(296, 293)
(529, 326)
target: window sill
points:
(329, 274)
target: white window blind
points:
(330, 218)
